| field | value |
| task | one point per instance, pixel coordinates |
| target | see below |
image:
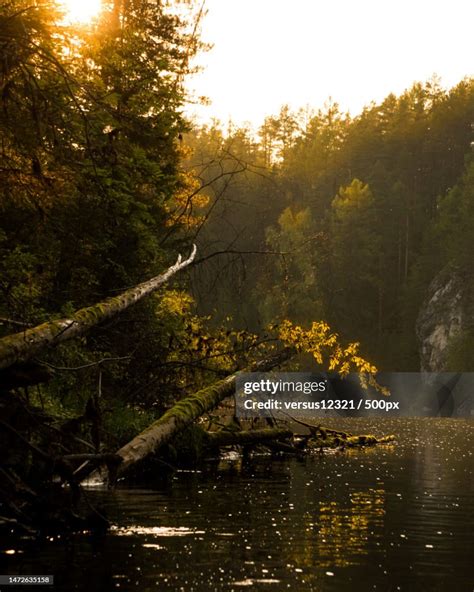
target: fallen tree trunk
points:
(21, 347)
(185, 412)
(278, 446)
(227, 438)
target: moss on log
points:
(23, 346)
(346, 440)
(186, 411)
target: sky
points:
(301, 52)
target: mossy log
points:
(343, 440)
(368, 440)
(322, 437)
(246, 437)
(185, 412)
(23, 346)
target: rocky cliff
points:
(441, 318)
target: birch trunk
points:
(21, 347)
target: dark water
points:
(388, 518)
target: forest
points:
(327, 206)
(318, 234)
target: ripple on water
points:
(385, 518)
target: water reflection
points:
(388, 518)
(344, 531)
(155, 531)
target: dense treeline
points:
(91, 193)
(342, 218)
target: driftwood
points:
(272, 438)
(322, 437)
(185, 412)
(318, 431)
(21, 347)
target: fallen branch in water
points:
(315, 430)
(185, 412)
(323, 437)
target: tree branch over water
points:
(20, 347)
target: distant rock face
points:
(440, 319)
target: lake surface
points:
(393, 517)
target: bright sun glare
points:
(81, 11)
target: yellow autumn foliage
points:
(188, 202)
(325, 347)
